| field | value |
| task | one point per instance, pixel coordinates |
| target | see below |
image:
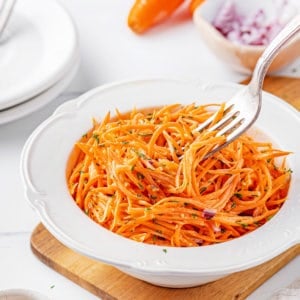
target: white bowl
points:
(43, 167)
(242, 58)
(21, 294)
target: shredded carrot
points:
(143, 175)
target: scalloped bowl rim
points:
(47, 192)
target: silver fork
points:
(242, 110)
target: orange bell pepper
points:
(146, 13)
(194, 4)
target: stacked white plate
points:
(39, 56)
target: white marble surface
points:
(110, 52)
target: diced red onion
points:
(199, 241)
(227, 18)
(216, 228)
(252, 30)
(209, 213)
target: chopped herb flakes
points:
(203, 189)
(140, 175)
(244, 225)
(96, 137)
(238, 195)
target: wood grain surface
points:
(285, 88)
(109, 283)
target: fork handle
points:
(263, 63)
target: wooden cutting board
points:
(109, 283)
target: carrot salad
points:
(144, 175)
